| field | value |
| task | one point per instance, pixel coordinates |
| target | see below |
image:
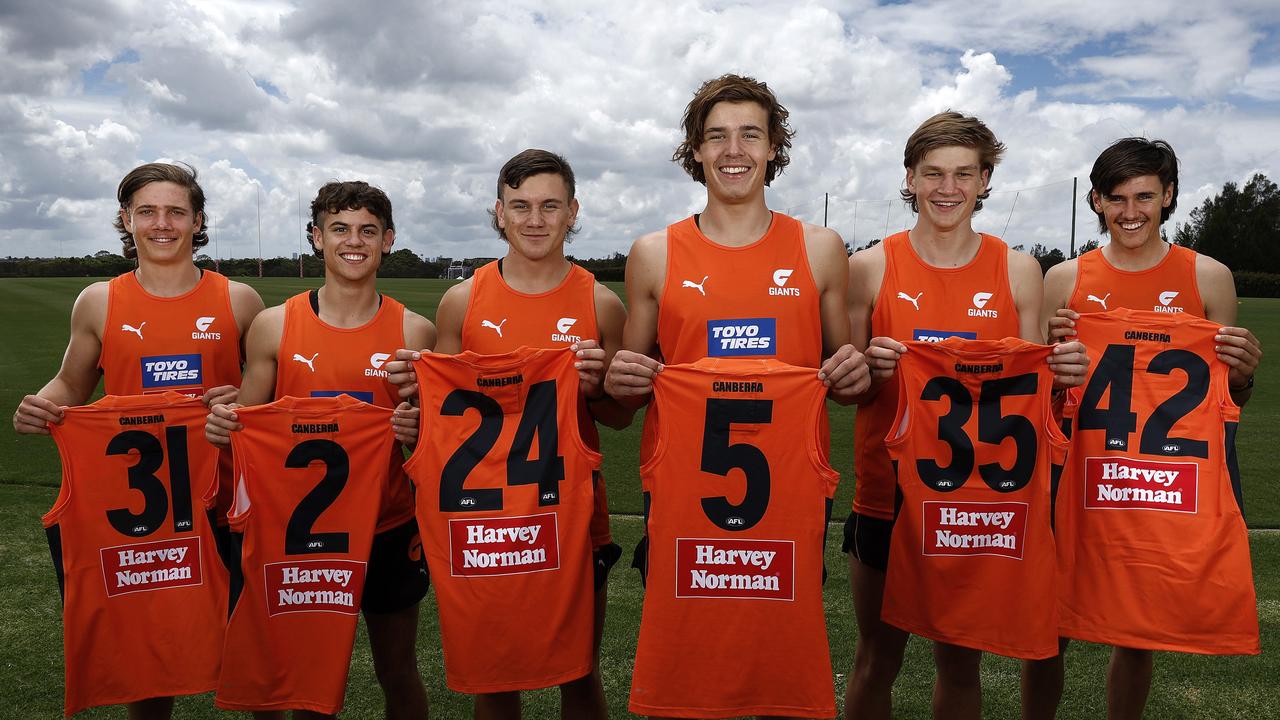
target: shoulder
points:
(817, 237)
(868, 263)
(272, 317)
(90, 307)
(647, 261)
(606, 299)
(1021, 263)
(458, 295)
(654, 243)
(419, 332)
(244, 299)
(1059, 281)
(94, 292)
(1212, 272)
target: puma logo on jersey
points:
(376, 362)
(496, 328)
(1100, 300)
(202, 329)
(309, 362)
(562, 331)
(696, 285)
(780, 278)
(135, 330)
(1166, 298)
(979, 303)
(915, 301)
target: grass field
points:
(33, 333)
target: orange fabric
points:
(504, 503)
(144, 591)
(554, 319)
(1152, 548)
(972, 560)
(311, 479)
(188, 344)
(740, 490)
(319, 360)
(1170, 286)
(918, 301)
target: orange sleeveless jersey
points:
(504, 504)
(144, 591)
(188, 344)
(739, 491)
(311, 479)
(918, 301)
(972, 560)
(1169, 287)
(316, 359)
(1152, 548)
(500, 319)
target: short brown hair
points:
(143, 175)
(1129, 158)
(525, 165)
(336, 196)
(733, 88)
(952, 129)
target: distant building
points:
(463, 269)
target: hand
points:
(34, 414)
(631, 374)
(1238, 348)
(221, 422)
(221, 395)
(846, 373)
(1069, 363)
(1062, 327)
(882, 357)
(400, 372)
(590, 365)
(404, 423)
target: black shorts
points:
(397, 574)
(867, 538)
(603, 559)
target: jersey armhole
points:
(106, 323)
(63, 500)
(241, 506)
(209, 498)
(662, 292)
(413, 460)
(1075, 284)
(1058, 440)
(577, 407)
(877, 300)
(657, 404)
(898, 430)
(819, 452)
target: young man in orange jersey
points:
(167, 312)
(334, 340)
(938, 280)
(534, 296)
(1134, 190)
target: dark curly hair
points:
(733, 88)
(143, 175)
(336, 196)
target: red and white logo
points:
(562, 334)
(480, 547)
(331, 585)
(1120, 483)
(1166, 300)
(157, 565)
(979, 308)
(738, 569)
(376, 361)
(780, 278)
(974, 528)
(203, 323)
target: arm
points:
(259, 383)
(1069, 361)
(419, 332)
(866, 275)
(79, 373)
(844, 371)
(1237, 347)
(245, 306)
(446, 337)
(629, 379)
(611, 318)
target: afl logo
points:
(1171, 449)
(1117, 443)
(735, 522)
(548, 497)
(467, 501)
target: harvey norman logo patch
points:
(157, 565)
(332, 585)
(940, 335)
(974, 528)
(166, 371)
(742, 336)
(1120, 483)
(733, 568)
(480, 547)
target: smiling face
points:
(1132, 210)
(947, 182)
(353, 242)
(162, 222)
(536, 217)
(735, 151)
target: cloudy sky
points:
(427, 99)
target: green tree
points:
(1239, 227)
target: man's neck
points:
(348, 305)
(534, 276)
(1144, 257)
(735, 225)
(167, 280)
(950, 247)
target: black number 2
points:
(993, 428)
(539, 418)
(142, 477)
(298, 538)
(719, 457)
